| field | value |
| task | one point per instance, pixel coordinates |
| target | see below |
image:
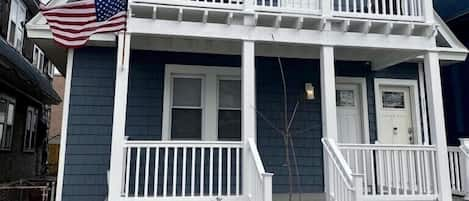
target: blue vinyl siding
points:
(90, 120)
(90, 124)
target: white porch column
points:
(437, 122)
(465, 167)
(328, 105)
(248, 107)
(118, 125)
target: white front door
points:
(395, 110)
(349, 117)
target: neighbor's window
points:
(187, 110)
(15, 24)
(229, 109)
(30, 130)
(38, 58)
(7, 114)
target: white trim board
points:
(209, 132)
(415, 103)
(361, 82)
(63, 137)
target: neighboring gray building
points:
(26, 95)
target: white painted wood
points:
(328, 100)
(437, 122)
(119, 116)
(177, 179)
(465, 166)
(63, 136)
(361, 82)
(248, 107)
(414, 101)
(282, 35)
(399, 170)
(423, 105)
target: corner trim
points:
(63, 136)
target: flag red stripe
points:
(87, 29)
(70, 14)
(72, 37)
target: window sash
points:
(31, 130)
(15, 28)
(7, 126)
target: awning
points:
(20, 74)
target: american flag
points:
(72, 24)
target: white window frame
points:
(30, 130)
(6, 145)
(209, 92)
(17, 16)
(220, 78)
(38, 58)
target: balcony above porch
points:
(388, 17)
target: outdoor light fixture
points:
(309, 89)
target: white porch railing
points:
(260, 181)
(170, 169)
(458, 158)
(455, 159)
(408, 10)
(343, 185)
(405, 171)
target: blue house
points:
(188, 104)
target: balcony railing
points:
(396, 10)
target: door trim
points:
(414, 100)
(361, 82)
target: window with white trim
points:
(17, 18)
(186, 108)
(229, 109)
(7, 115)
(202, 103)
(30, 130)
(38, 58)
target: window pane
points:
(11, 113)
(230, 94)
(3, 111)
(186, 124)
(11, 35)
(393, 99)
(229, 125)
(187, 92)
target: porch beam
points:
(248, 107)
(119, 116)
(437, 122)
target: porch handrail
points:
(261, 181)
(390, 170)
(344, 185)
